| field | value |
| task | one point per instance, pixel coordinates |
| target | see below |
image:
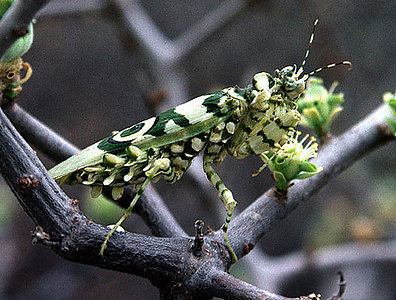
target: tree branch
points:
(15, 22)
(152, 208)
(77, 238)
(167, 51)
(280, 268)
(40, 135)
(246, 229)
(167, 262)
(233, 288)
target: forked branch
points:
(77, 238)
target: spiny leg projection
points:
(225, 196)
(160, 166)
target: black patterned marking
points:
(158, 129)
(267, 140)
(188, 149)
(212, 103)
(246, 128)
(110, 145)
(132, 130)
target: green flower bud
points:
(290, 162)
(11, 64)
(21, 45)
(390, 99)
(319, 106)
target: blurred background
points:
(100, 66)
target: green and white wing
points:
(179, 123)
(91, 155)
(182, 122)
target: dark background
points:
(91, 78)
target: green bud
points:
(21, 45)
(319, 106)
(11, 63)
(290, 162)
(390, 99)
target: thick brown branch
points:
(167, 262)
(77, 238)
(233, 288)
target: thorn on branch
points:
(342, 287)
(209, 230)
(39, 236)
(198, 241)
(27, 183)
(247, 247)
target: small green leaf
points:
(280, 181)
(390, 99)
(306, 166)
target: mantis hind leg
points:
(225, 196)
(161, 165)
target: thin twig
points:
(230, 287)
(143, 28)
(39, 135)
(71, 7)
